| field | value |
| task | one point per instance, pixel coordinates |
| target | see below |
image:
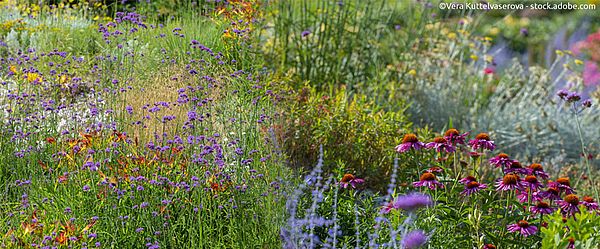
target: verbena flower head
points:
(536, 169)
(541, 208)
(412, 201)
(568, 96)
(429, 180)
(414, 239)
(482, 140)
(532, 183)
(509, 182)
(441, 145)
(454, 137)
(473, 187)
(410, 141)
(589, 203)
(350, 180)
(522, 227)
(569, 205)
(501, 160)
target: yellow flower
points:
(578, 62)
(452, 35)
(489, 58)
(487, 38)
(32, 77)
(412, 72)
(474, 57)
(13, 68)
(494, 31)
(559, 53)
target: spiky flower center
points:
(523, 223)
(553, 191)
(473, 184)
(531, 179)
(490, 246)
(427, 177)
(588, 199)
(483, 136)
(572, 199)
(470, 178)
(536, 167)
(451, 132)
(516, 165)
(347, 178)
(510, 179)
(564, 181)
(542, 204)
(440, 140)
(503, 155)
(410, 138)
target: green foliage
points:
(582, 231)
(358, 136)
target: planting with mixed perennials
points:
(299, 124)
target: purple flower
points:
(524, 32)
(589, 203)
(414, 239)
(412, 202)
(516, 167)
(428, 180)
(482, 140)
(532, 183)
(467, 179)
(441, 145)
(569, 205)
(551, 194)
(454, 137)
(522, 227)
(536, 169)
(305, 33)
(501, 160)
(350, 180)
(473, 187)
(509, 182)
(541, 208)
(409, 141)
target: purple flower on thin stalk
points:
(569, 205)
(522, 227)
(482, 140)
(501, 160)
(563, 184)
(410, 141)
(536, 169)
(589, 203)
(441, 145)
(551, 194)
(414, 239)
(586, 103)
(305, 33)
(532, 183)
(509, 182)
(524, 196)
(412, 202)
(429, 180)
(350, 180)
(454, 137)
(541, 208)
(467, 179)
(516, 167)
(473, 187)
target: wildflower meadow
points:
(299, 124)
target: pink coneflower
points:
(536, 169)
(563, 184)
(435, 170)
(409, 141)
(589, 203)
(551, 194)
(467, 179)
(489, 246)
(472, 187)
(482, 140)
(523, 196)
(532, 182)
(509, 182)
(454, 137)
(501, 160)
(441, 145)
(350, 180)
(523, 227)
(571, 244)
(569, 205)
(428, 180)
(516, 167)
(387, 208)
(541, 208)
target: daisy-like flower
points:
(551, 194)
(569, 205)
(516, 167)
(523, 196)
(428, 180)
(467, 179)
(541, 208)
(409, 141)
(414, 239)
(441, 145)
(532, 182)
(522, 227)
(482, 140)
(387, 208)
(589, 203)
(571, 244)
(489, 246)
(454, 137)
(472, 187)
(435, 170)
(350, 180)
(412, 202)
(563, 184)
(536, 169)
(509, 182)
(501, 160)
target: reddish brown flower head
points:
(489, 246)
(542, 204)
(523, 223)
(427, 177)
(473, 184)
(483, 136)
(531, 179)
(536, 167)
(50, 140)
(510, 179)
(347, 178)
(451, 132)
(503, 155)
(588, 199)
(440, 140)
(410, 138)
(564, 181)
(572, 199)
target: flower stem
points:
(585, 157)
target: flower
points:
(412, 201)
(551, 194)
(428, 180)
(409, 141)
(589, 203)
(516, 166)
(536, 169)
(569, 205)
(563, 185)
(482, 140)
(524, 195)
(489, 246)
(350, 180)
(472, 187)
(501, 160)
(454, 137)
(414, 239)
(532, 182)
(441, 145)
(509, 182)
(541, 208)
(435, 170)
(523, 227)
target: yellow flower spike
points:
(412, 72)
(566, 66)
(452, 35)
(487, 38)
(559, 53)
(494, 31)
(13, 69)
(31, 77)
(569, 52)
(474, 57)
(578, 62)
(488, 58)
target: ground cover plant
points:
(297, 124)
